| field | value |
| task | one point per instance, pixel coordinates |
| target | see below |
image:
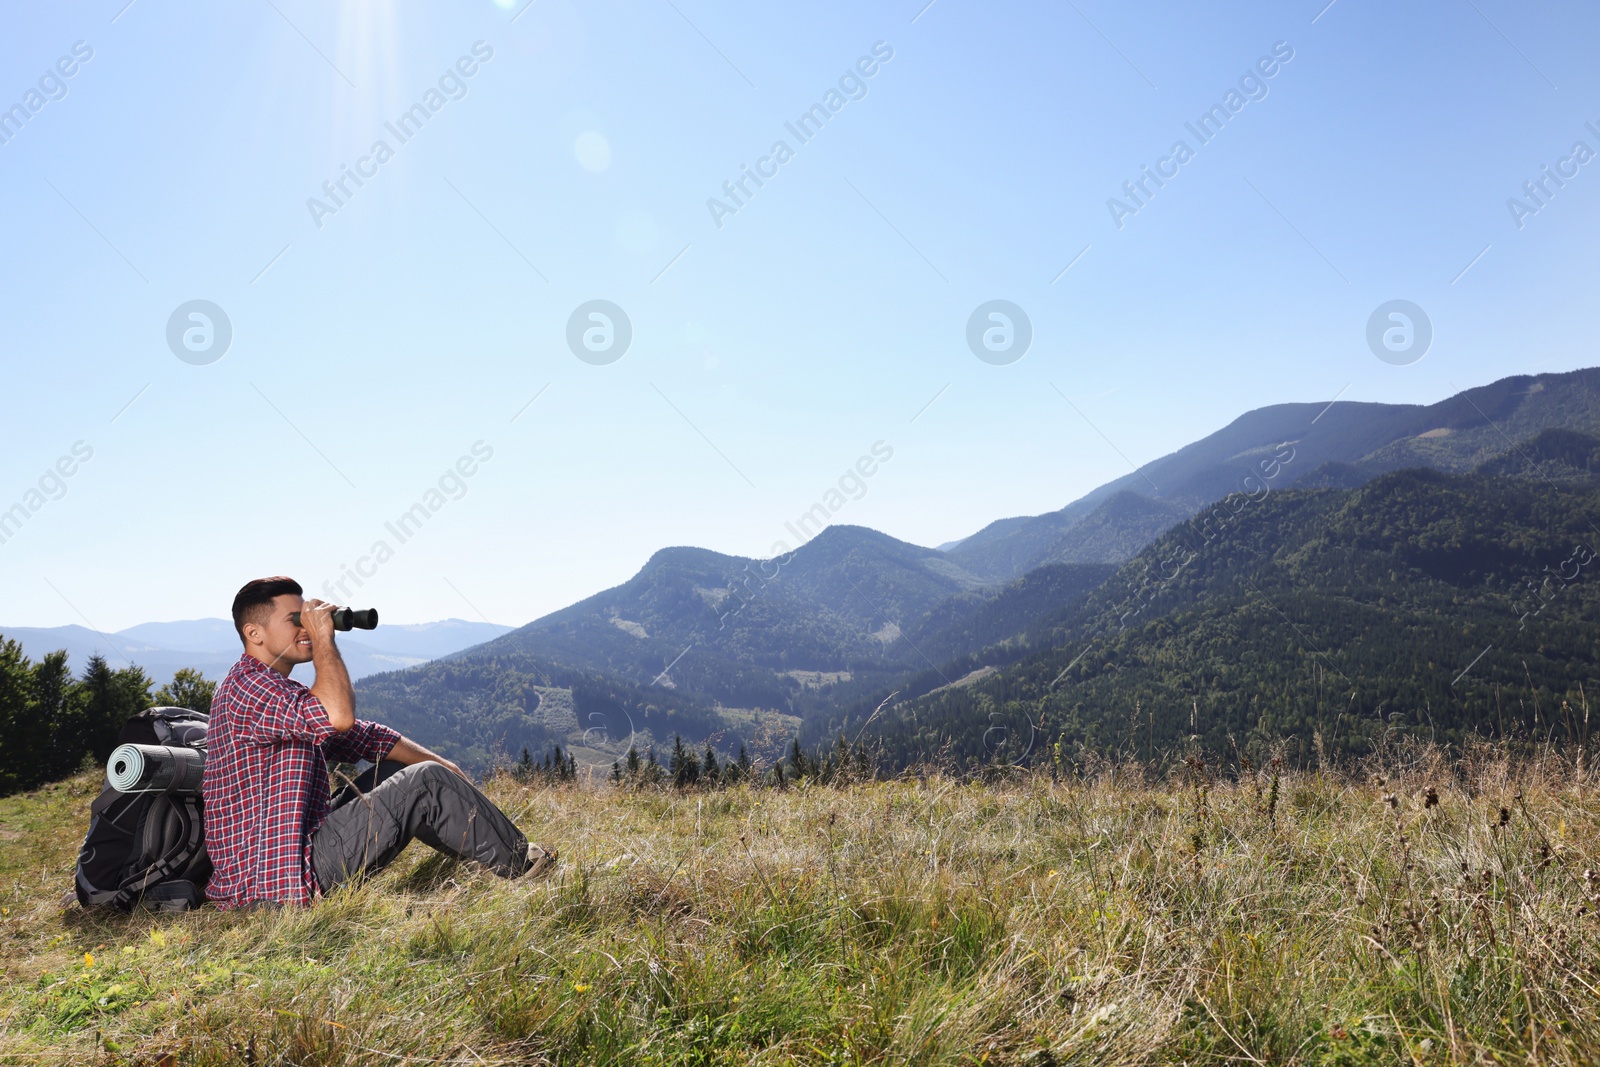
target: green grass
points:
(925, 921)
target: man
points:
(273, 832)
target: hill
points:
(834, 604)
(1552, 456)
(1420, 604)
(1365, 439)
(484, 710)
(1289, 918)
(718, 648)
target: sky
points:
(425, 342)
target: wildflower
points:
(579, 987)
(1052, 874)
(88, 959)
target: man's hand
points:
(316, 619)
(332, 686)
(408, 752)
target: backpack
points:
(148, 848)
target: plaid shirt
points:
(266, 783)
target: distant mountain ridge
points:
(211, 646)
(1454, 435)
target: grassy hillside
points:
(1300, 919)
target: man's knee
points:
(435, 780)
(432, 774)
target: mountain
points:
(741, 647)
(211, 646)
(1422, 603)
(485, 709)
(1275, 447)
(746, 632)
(996, 617)
(718, 649)
(1552, 455)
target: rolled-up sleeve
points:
(288, 713)
(363, 741)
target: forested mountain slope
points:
(1421, 602)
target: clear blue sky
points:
(768, 354)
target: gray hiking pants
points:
(379, 813)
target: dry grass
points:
(1324, 920)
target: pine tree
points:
(23, 734)
(684, 766)
(100, 703)
(708, 766)
(798, 760)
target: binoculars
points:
(348, 618)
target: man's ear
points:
(253, 634)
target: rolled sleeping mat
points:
(155, 769)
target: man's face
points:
(282, 640)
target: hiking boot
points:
(541, 861)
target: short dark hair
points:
(249, 601)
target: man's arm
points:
(408, 752)
(332, 687)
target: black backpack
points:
(147, 848)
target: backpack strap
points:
(176, 895)
(106, 806)
(103, 802)
(89, 896)
(134, 886)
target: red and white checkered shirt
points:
(266, 783)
